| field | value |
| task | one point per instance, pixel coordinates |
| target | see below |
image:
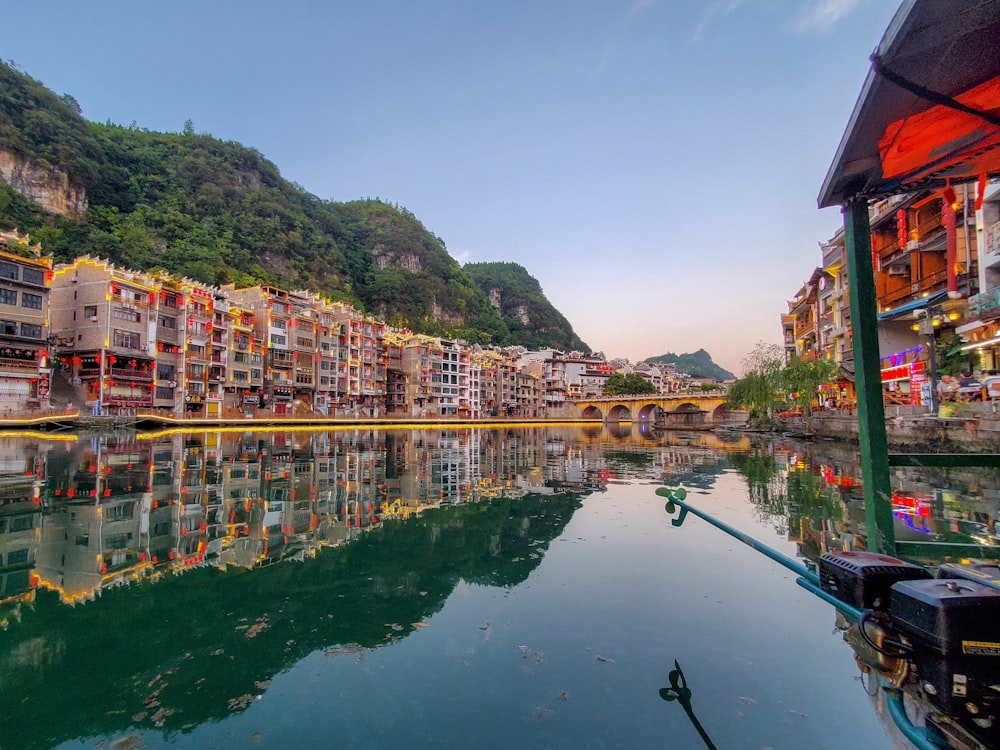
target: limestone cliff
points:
(47, 186)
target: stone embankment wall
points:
(972, 427)
(46, 185)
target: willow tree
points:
(759, 390)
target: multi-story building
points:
(982, 329)
(24, 325)
(200, 309)
(168, 390)
(326, 361)
(361, 361)
(271, 314)
(553, 376)
(836, 300)
(585, 376)
(103, 319)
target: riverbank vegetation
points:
(771, 383)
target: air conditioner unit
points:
(93, 318)
(899, 269)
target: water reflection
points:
(165, 547)
(680, 692)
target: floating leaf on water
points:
(604, 658)
(485, 626)
(255, 736)
(799, 713)
(563, 695)
(542, 713)
(748, 701)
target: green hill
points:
(697, 363)
(522, 305)
(219, 212)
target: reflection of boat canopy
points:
(924, 120)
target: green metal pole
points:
(874, 447)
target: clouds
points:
(812, 16)
(822, 15)
(713, 12)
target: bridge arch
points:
(648, 412)
(619, 413)
(592, 412)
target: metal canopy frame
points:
(932, 52)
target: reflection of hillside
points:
(194, 647)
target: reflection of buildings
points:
(115, 509)
(96, 531)
(20, 521)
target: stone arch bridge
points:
(674, 410)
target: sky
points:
(653, 163)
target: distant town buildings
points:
(93, 337)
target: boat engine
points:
(935, 638)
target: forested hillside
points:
(219, 212)
(522, 304)
(697, 363)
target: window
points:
(240, 376)
(90, 311)
(130, 316)
(17, 556)
(33, 276)
(255, 374)
(8, 270)
(83, 540)
(279, 340)
(241, 357)
(165, 371)
(164, 392)
(21, 523)
(31, 331)
(118, 512)
(168, 322)
(127, 339)
(8, 297)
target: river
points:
(517, 587)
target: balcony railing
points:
(20, 365)
(128, 373)
(984, 303)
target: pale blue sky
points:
(654, 164)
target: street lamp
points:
(926, 328)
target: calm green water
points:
(462, 588)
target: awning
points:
(912, 305)
(970, 326)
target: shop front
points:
(906, 384)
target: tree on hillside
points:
(632, 384)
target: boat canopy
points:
(928, 114)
